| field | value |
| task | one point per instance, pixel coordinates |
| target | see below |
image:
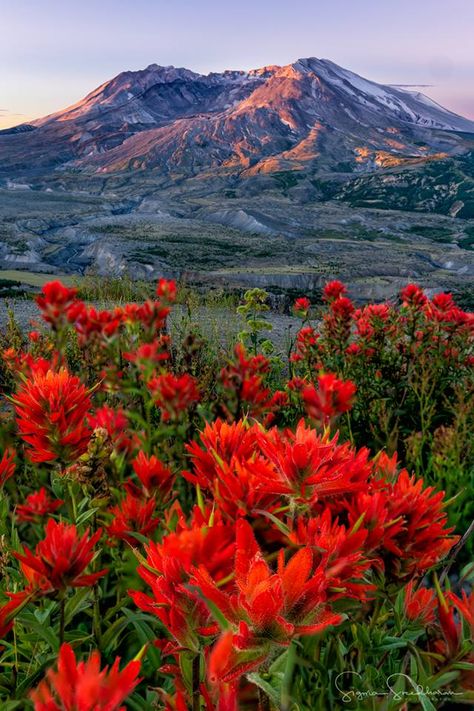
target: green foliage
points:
(253, 310)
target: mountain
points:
(309, 116)
(276, 177)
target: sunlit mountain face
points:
(308, 117)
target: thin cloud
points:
(6, 112)
(412, 86)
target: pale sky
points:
(53, 52)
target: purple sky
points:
(53, 52)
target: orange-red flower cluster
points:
(174, 394)
(134, 514)
(167, 571)
(60, 559)
(58, 562)
(245, 391)
(51, 409)
(37, 505)
(154, 476)
(7, 466)
(331, 398)
(84, 686)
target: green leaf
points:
(37, 630)
(86, 516)
(426, 703)
(279, 524)
(463, 666)
(139, 537)
(273, 694)
(443, 680)
(78, 602)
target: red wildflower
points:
(278, 400)
(83, 686)
(465, 606)
(151, 315)
(166, 290)
(419, 604)
(330, 399)
(220, 441)
(205, 540)
(97, 326)
(353, 350)
(227, 662)
(230, 467)
(149, 355)
(238, 489)
(443, 302)
(406, 524)
(180, 610)
(133, 515)
(412, 295)
(296, 384)
(60, 559)
(301, 307)
(55, 301)
(334, 290)
(309, 467)
(23, 365)
(267, 605)
(342, 309)
(386, 467)
(450, 628)
(425, 539)
(339, 550)
(37, 505)
(307, 344)
(8, 611)
(51, 410)
(7, 466)
(337, 323)
(243, 380)
(381, 526)
(115, 422)
(167, 569)
(153, 474)
(375, 321)
(227, 464)
(174, 394)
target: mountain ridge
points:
(309, 115)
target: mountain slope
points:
(310, 116)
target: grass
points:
(35, 278)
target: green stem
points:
(71, 502)
(97, 620)
(376, 613)
(349, 428)
(263, 701)
(288, 678)
(62, 611)
(196, 674)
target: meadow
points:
(197, 523)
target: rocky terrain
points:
(279, 177)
